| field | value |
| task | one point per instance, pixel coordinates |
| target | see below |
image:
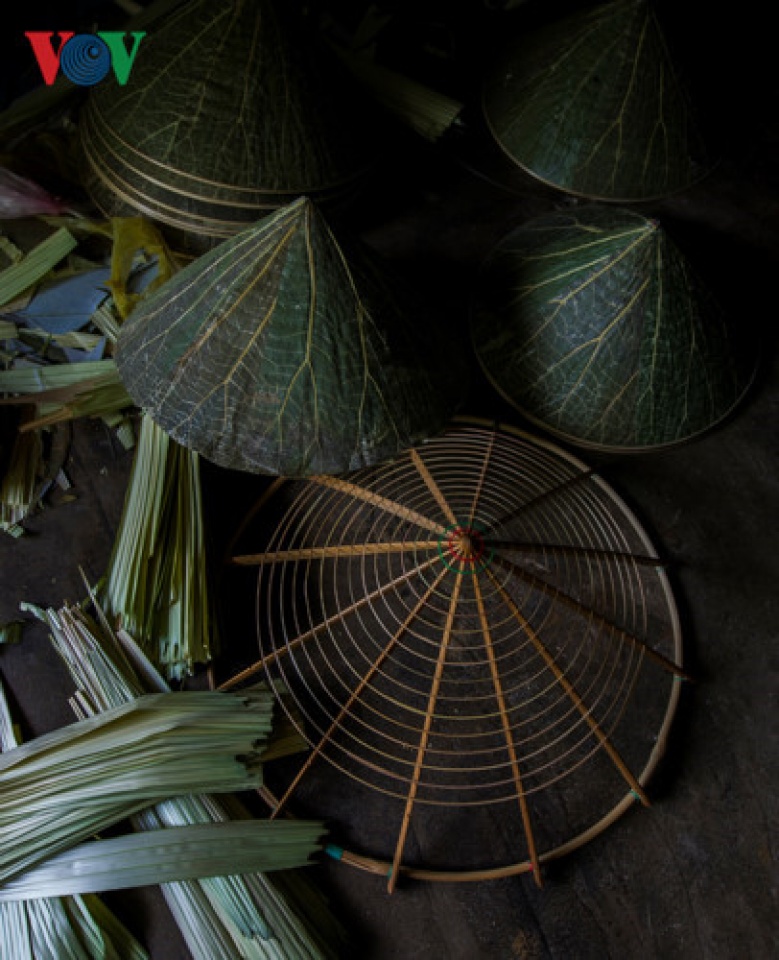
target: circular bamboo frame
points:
(440, 658)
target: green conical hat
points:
(593, 325)
(273, 353)
(223, 118)
(592, 105)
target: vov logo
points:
(85, 58)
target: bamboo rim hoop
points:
(464, 628)
(186, 184)
(613, 448)
(108, 187)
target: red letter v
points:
(48, 60)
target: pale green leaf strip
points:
(67, 785)
(106, 321)
(17, 278)
(11, 632)
(15, 934)
(8, 738)
(19, 485)
(28, 380)
(157, 582)
(42, 339)
(9, 249)
(220, 918)
(106, 936)
(51, 931)
(173, 854)
(59, 928)
(102, 397)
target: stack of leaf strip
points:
(593, 105)
(66, 391)
(251, 916)
(60, 320)
(67, 785)
(156, 584)
(226, 115)
(55, 928)
(51, 928)
(19, 484)
(594, 326)
(278, 353)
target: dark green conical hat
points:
(225, 116)
(273, 353)
(592, 324)
(592, 105)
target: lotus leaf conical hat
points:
(593, 105)
(593, 325)
(224, 117)
(274, 353)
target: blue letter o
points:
(85, 59)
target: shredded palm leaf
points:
(10, 251)
(65, 928)
(42, 340)
(11, 632)
(156, 583)
(65, 786)
(67, 391)
(248, 916)
(59, 928)
(106, 322)
(36, 379)
(19, 486)
(103, 397)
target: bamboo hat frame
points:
(470, 627)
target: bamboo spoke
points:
(571, 693)
(532, 504)
(433, 487)
(556, 593)
(523, 807)
(423, 741)
(358, 691)
(334, 552)
(560, 549)
(309, 634)
(396, 509)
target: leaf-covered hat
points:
(226, 116)
(593, 325)
(593, 105)
(275, 353)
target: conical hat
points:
(273, 353)
(594, 326)
(592, 105)
(222, 119)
